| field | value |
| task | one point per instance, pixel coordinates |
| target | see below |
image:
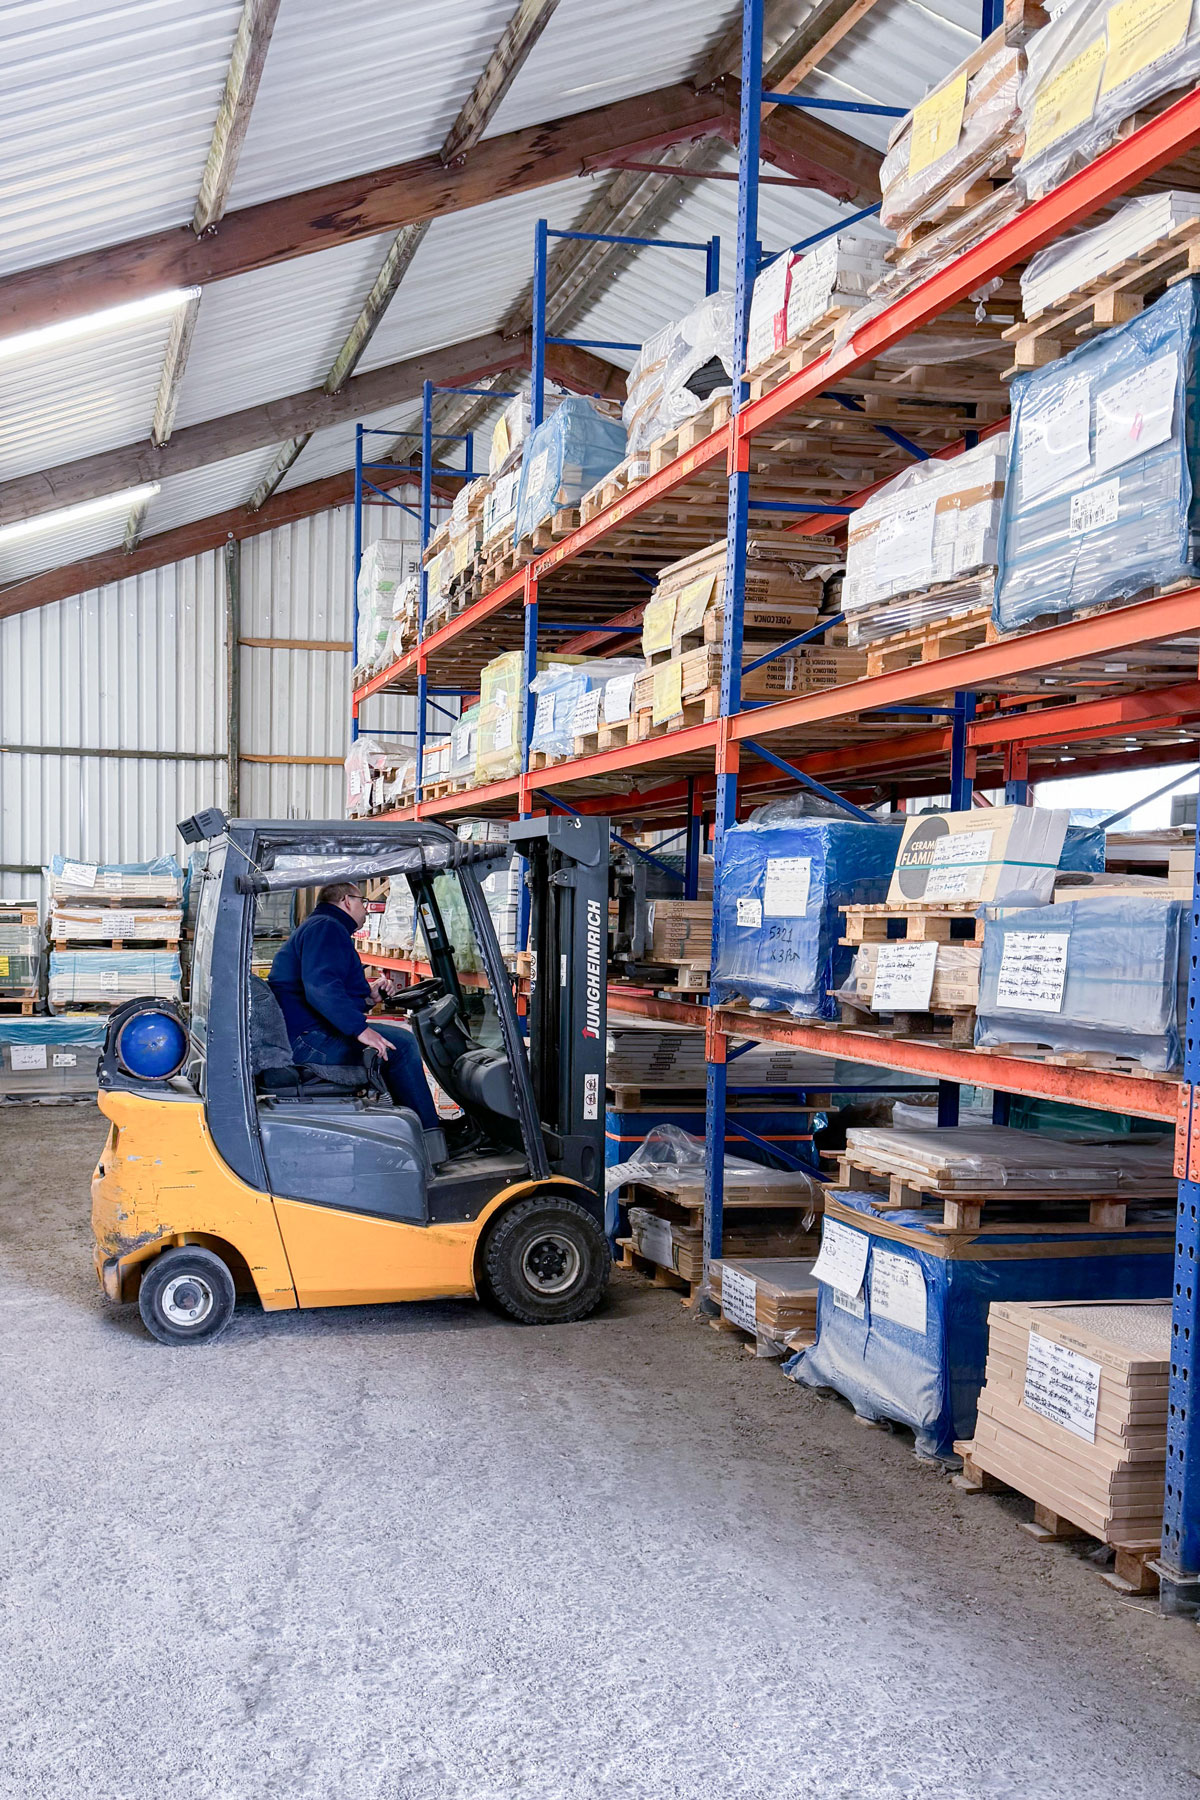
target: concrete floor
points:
(420, 1554)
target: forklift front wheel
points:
(546, 1262)
(187, 1296)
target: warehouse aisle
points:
(418, 1554)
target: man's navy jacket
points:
(319, 982)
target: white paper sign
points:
(355, 784)
(502, 736)
(1062, 1385)
(543, 718)
(904, 977)
(29, 1056)
(1056, 439)
(110, 981)
(851, 1303)
(785, 889)
(1033, 971)
(958, 864)
(618, 698)
(1096, 507)
(843, 1259)
(749, 912)
(65, 1059)
(112, 881)
(585, 715)
(654, 1241)
(120, 924)
(1135, 414)
(79, 874)
(739, 1298)
(904, 545)
(898, 1290)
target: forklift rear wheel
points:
(546, 1262)
(187, 1296)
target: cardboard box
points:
(996, 853)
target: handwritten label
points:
(654, 1240)
(692, 604)
(1033, 971)
(666, 700)
(739, 1298)
(898, 1290)
(1095, 507)
(749, 912)
(1056, 438)
(785, 887)
(585, 714)
(936, 124)
(28, 1056)
(502, 732)
(120, 924)
(1062, 1385)
(618, 698)
(109, 981)
(1139, 33)
(904, 977)
(658, 622)
(79, 874)
(958, 865)
(1067, 102)
(843, 1259)
(543, 718)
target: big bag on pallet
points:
(1100, 500)
(1085, 976)
(902, 1312)
(778, 891)
(1090, 69)
(678, 371)
(565, 456)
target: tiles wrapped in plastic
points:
(678, 371)
(560, 688)
(1104, 447)
(1085, 975)
(778, 892)
(565, 456)
(925, 162)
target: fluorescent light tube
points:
(109, 318)
(77, 515)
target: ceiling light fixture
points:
(78, 515)
(109, 318)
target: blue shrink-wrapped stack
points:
(1100, 500)
(1085, 975)
(778, 893)
(910, 1343)
(568, 454)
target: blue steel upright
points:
(736, 537)
(358, 549)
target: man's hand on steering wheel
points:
(406, 999)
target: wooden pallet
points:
(954, 202)
(1078, 1059)
(701, 709)
(1133, 1564)
(19, 912)
(1111, 298)
(24, 1004)
(94, 943)
(930, 642)
(812, 342)
(962, 1209)
(608, 490)
(693, 431)
(690, 978)
(923, 921)
(953, 1026)
(655, 1273)
(550, 532)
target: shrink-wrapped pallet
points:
(1090, 69)
(500, 732)
(799, 288)
(50, 1058)
(500, 510)
(678, 371)
(512, 429)
(1001, 853)
(902, 1312)
(558, 691)
(20, 952)
(86, 977)
(159, 879)
(1104, 446)
(74, 922)
(1086, 976)
(381, 577)
(782, 597)
(778, 894)
(962, 131)
(1081, 258)
(395, 926)
(935, 523)
(566, 455)
(364, 761)
(463, 741)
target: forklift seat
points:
(277, 1075)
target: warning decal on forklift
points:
(591, 1096)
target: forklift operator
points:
(323, 990)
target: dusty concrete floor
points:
(419, 1554)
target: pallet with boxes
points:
(114, 929)
(20, 956)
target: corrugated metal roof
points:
(892, 58)
(201, 492)
(331, 451)
(65, 544)
(106, 115)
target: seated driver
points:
(323, 989)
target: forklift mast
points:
(568, 985)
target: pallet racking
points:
(1009, 711)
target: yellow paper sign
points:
(1139, 32)
(1066, 102)
(658, 622)
(936, 124)
(3, 965)
(463, 548)
(500, 443)
(666, 700)
(692, 604)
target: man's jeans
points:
(403, 1070)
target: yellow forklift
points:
(229, 1171)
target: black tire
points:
(187, 1281)
(546, 1262)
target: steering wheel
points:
(409, 998)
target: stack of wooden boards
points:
(768, 1213)
(771, 1298)
(1074, 1415)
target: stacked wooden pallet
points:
(1074, 1416)
(916, 969)
(667, 1229)
(114, 933)
(771, 1298)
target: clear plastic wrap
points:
(984, 1158)
(364, 760)
(159, 879)
(911, 1343)
(513, 427)
(499, 737)
(1071, 262)
(105, 923)
(961, 131)
(935, 522)
(500, 509)
(678, 371)
(560, 688)
(395, 926)
(999, 853)
(20, 956)
(778, 894)
(799, 288)
(671, 1162)
(1084, 975)
(88, 976)
(463, 741)
(49, 1058)
(1100, 497)
(565, 456)
(1089, 69)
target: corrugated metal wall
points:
(139, 668)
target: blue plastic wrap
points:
(930, 1381)
(159, 879)
(110, 976)
(1083, 850)
(1084, 975)
(559, 687)
(567, 454)
(777, 925)
(1100, 494)
(86, 1029)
